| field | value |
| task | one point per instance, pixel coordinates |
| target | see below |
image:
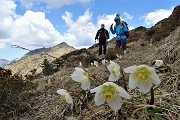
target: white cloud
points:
(83, 29)
(130, 28)
(7, 15)
(2, 45)
(154, 17)
(128, 16)
(33, 29)
(107, 20)
(51, 3)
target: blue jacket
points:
(120, 32)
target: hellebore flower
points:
(79, 75)
(142, 76)
(96, 63)
(158, 63)
(110, 93)
(65, 96)
(114, 69)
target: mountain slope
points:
(34, 58)
(45, 103)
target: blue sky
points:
(45, 23)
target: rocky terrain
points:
(38, 98)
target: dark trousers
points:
(121, 44)
(102, 43)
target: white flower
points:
(92, 64)
(104, 62)
(114, 69)
(158, 63)
(110, 93)
(96, 63)
(65, 96)
(80, 64)
(79, 75)
(142, 76)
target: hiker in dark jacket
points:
(102, 34)
(120, 29)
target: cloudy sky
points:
(44, 23)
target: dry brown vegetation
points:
(38, 99)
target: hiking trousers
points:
(121, 44)
(102, 43)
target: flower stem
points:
(79, 98)
(124, 79)
(94, 76)
(152, 96)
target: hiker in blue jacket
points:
(120, 28)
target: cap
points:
(117, 17)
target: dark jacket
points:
(102, 32)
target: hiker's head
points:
(102, 25)
(117, 18)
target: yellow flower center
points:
(86, 74)
(113, 71)
(141, 74)
(109, 92)
(62, 97)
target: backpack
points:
(102, 34)
(126, 32)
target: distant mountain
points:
(34, 58)
(4, 62)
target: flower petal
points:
(109, 67)
(122, 92)
(115, 104)
(68, 98)
(85, 83)
(117, 71)
(132, 82)
(98, 99)
(130, 69)
(96, 89)
(145, 88)
(155, 78)
(62, 91)
(112, 78)
(79, 69)
(77, 76)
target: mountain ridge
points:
(34, 58)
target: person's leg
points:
(124, 45)
(104, 47)
(118, 47)
(100, 47)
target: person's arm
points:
(112, 31)
(97, 34)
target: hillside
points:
(33, 59)
(42, 102)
